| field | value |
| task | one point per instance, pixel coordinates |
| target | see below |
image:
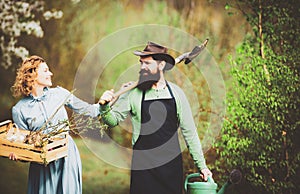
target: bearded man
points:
(158, 109)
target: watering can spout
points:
(234, 178)
(223, 189)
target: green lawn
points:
(98, 176)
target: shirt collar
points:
(40, 98)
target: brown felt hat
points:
(157, 52)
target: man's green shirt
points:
(130, 103)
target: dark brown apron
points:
(157, 160)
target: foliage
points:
(19, 18)
(263, 133)
(66, 41)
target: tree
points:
(263, 133)
(19, 18)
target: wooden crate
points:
(54, 150)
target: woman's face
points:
(44, 75)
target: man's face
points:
(149, 73)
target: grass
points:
(97, 176)
(13, 176)
(100, 177)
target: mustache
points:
(142, 71)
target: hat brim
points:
(170, 61)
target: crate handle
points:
(14, 134)
(5, 122)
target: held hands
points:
(106, 97)
(205, 173)
(110, 97)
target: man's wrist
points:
(105, 108)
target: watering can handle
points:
(196, 175)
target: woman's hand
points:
(109, 96)
(106, 97)
(12, 156)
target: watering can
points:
(210, 187)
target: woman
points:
(39, 103)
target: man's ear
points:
(161, 65)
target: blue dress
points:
(63, 176)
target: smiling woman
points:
(40, 106)
(27, 74)
(44, 76)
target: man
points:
(157, 108)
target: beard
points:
(146, 81)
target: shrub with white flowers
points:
(18, 18)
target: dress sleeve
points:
(189, 130)
(18, 119)
(77, 105)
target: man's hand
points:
(106, 97)
(205, 173)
